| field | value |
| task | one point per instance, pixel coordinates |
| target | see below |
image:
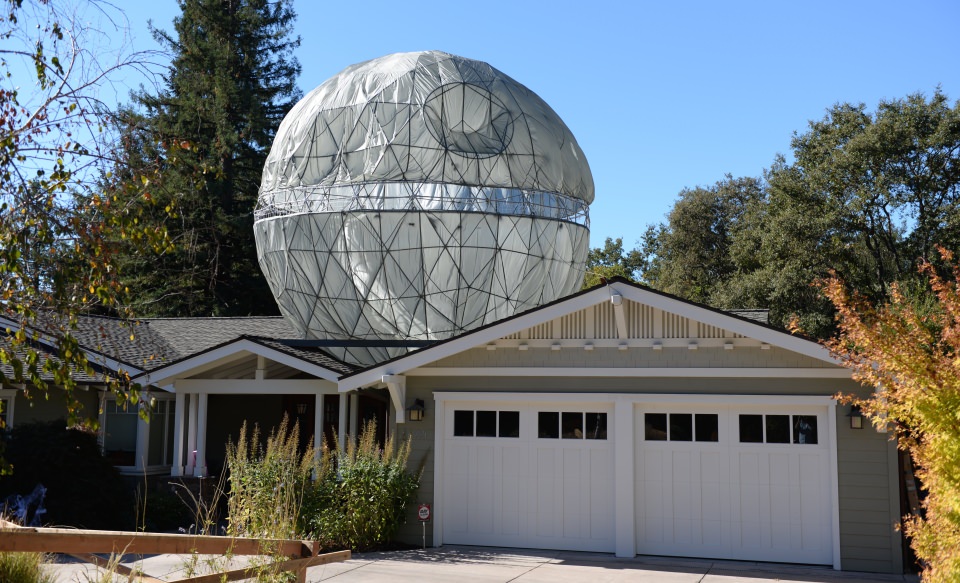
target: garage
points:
(734, 482)
(528, 475)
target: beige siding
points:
(421, 456)
(54, 406)
(869, 499)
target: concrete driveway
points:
(491, 565)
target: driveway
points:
(492, 565)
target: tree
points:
(691, 254)
(231, 80)
(58, 227)
(611, 261)
(867, 196)
(910, 352)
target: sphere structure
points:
(417, 196)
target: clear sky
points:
(660, 95)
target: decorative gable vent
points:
(605, 324)
(639, 320)
(574, 325)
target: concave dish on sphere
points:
(417, 196)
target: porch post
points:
(102, 418)
(200, 471)
(354, 414)
(192, 434)
(143, 441)
(342, 432)
(318, 423)
(178, 423)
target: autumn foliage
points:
(910, 351)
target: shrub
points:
(83, 488)
(361, 496)
(23, 568)
(267, 483)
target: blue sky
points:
(660, 95)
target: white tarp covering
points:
(419, 195)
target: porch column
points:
(354, 415)
(625, 542)
(318, 423)
(192, 434)
(143, 441)
(178, 424)
(342, 433)
(200, 471)
(102, 418)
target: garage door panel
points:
(552, 492)
(512, 488)
(725, 499)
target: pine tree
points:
(210, 127)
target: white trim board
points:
(678, 372)
(685, 398)
(256, 387)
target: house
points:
(617, 419)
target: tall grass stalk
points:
(267, 484)
(24, 568)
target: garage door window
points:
(681, 427)
(800, 429)
(486, 423)
(571, 425)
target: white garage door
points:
(528, 475)
(737, 482)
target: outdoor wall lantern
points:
(856, 417)
(416, 410)
(301, 408)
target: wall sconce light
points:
(416, 411)
(301, 408)
(856, 417)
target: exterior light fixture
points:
(301, 408)
(416, 411)
(856, 417)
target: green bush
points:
(83, 488)
(268, 483)
(353, 499)
(361, 496)
(23, 568)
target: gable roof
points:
(307, 359)
(749, 323)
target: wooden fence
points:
(296, 555)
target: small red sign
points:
(423, 512)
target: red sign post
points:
(424, 514)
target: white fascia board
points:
(677, 372)
(473, 339)
(727, 322)
(238, 349)
(666, 398)
(93, 356)
(256, 387)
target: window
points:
(548, 425)
(778, 429)
(463, 423)
(486, 423)
(805, 429)
(509, 423)
(702, 427)
(120, 433)
(571, 425)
